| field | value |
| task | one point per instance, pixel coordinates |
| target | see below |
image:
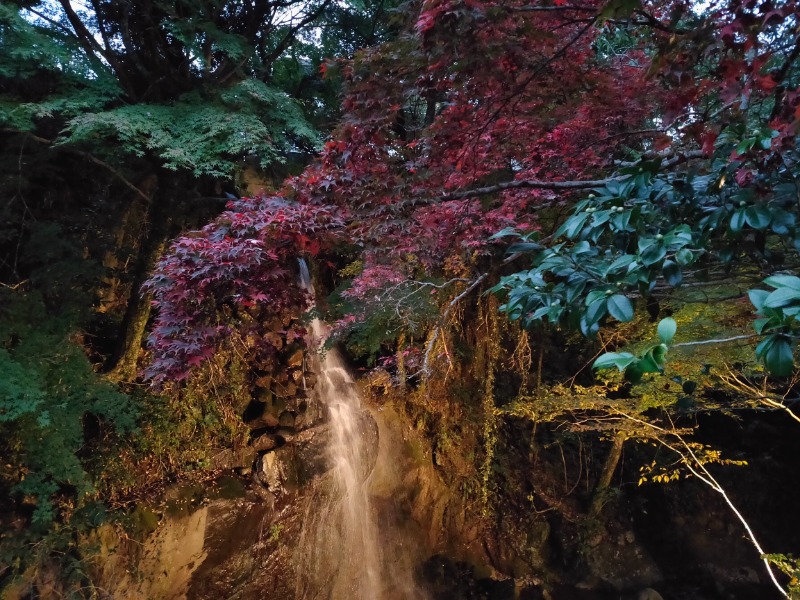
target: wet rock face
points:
(302, 457)
(296, 459)
(287, 404)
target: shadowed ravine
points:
(340, 555)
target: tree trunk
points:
(135, 322)
(604, 483)
(402, 372)
(137, 313)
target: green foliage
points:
(52, 83)
(620, 241)
(646, 230)
(790, 565)
(778, 311)
(48, 390)
(207, 134)
(667, 329)
(651, 361)
(391, 311)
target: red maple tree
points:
(475, 119)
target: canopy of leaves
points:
(192, 86)
(204, 134)
(486, 118)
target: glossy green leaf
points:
(620, 308)
(672, 273)
(572, 226)
(653, 253)
(778, 358)
(782, 221)
(595, 311)
(524, 247)
(783, 281)
(609, 360)
(757, 298)
(505, 232)
(737, 220)
(634, 372)
(684, 257)
(758, 216)
(621, 263)
(659, 353)
(782, 297)
(760, 325)
(666, 330)
(649, 363)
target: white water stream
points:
(340, 553)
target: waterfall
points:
(340, 552)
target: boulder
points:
(267, 420)
(284, 390)
(296, 359)
(227, 458)
(264, 443)
(286, 419)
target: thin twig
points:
(716, 341)
(425, 370)
(565, 8)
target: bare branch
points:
(116, 174)
(86, 155)
(281, 47)
(566, 8)
(698, 468)
(530, 184)
(716, 341)
(426, 371)
(669, 161)
(85, 37)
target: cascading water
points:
(340, 553)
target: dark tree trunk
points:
(137, 314)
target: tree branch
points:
(85, 37)
(671, 161)
(114, 172)
(717, 341)
(529, 184)
(287, 39)
(780, 78)
(426, 370)
(696, 466)
(566, 8)
(86, 155)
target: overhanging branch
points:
(529, 184)
(86, 155)
(668, 162)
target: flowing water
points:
(341, 550)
